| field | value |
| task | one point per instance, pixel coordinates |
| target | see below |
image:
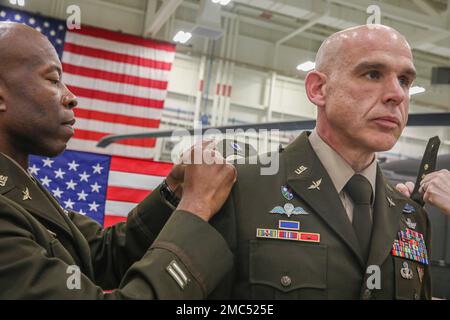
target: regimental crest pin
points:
(411, 224)
(408, 209)
(391, 203)
(300, 170)
(315, 185)
(3, 180)
(406, 272)
(287, 193)
(289, 209)
(26, 195)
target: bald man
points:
(328, 225)
(48, 253)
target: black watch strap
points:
(168, 195)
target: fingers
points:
(410, 185)
(403, 189)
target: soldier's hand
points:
(435, 188)
(207, 184)
(175, 178)
(405, 188)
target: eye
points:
(373, 75)
(54, 81)
(404, 81)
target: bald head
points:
(21, 46)
(338, 48)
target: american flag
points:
(120, 81)
(102, 187)
(121, 84)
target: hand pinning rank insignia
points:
(289, 209)
(3, 180)
(315, 185)
(26, 195)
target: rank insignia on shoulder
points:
(288, 235)
(3, 180)
(408, 209)
(287, 193)
(289, 225)
(289, 209)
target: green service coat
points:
(40, 244)
(332, 269)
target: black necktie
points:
(360, 190)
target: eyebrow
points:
(54, 68)
(364, 66)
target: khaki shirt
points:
(340, 171)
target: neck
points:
(21, 159)
(359, 159)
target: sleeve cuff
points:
(199, 246)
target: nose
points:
(69, 99)
(394, 92)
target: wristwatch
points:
(168, 195)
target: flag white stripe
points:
(114, 87)
(118, 208)
(116, 149)
(119, 108)
(133, 180)
(108, 127)
(120, 47)
(116, 67)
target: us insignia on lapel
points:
(315, 185)
(26, 195)
(300, 170)
(3, 180)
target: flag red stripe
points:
(126, 38)
(117, 57)
(112, 220)
(140, 166)
(126, 194)
(96, 136)
(115, 77)
(116, 97)
(116, 118)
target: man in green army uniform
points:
(328, 225)
(42, 247)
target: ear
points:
(315, 84)
(2, 101)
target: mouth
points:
(69, 125)
(388, 122)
